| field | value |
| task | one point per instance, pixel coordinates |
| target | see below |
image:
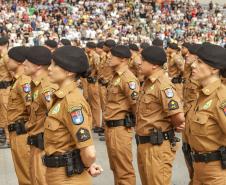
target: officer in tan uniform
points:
(36, 66)
(122, 93)
(5, 84)
(69, 150)
(159, 113)
(206, 129)
(18, 110)
(93, 86)
(175, 67)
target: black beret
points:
(193, 48)
(121, 51)
(186, 44)
(39, 55)
(157, 42)
(154, 55)
(174, 46)
(71, 58)
(110, 43)
(18, 53)
(65, 42)
(100, 44)
(4, 40)
(144, 45)
(133, 47)
(91, 45)
(213, 55)
(51, 43)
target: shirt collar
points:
(156, 75)
(63, 91)
(38, 80)
(121, 70)
(210, 88)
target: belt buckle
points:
(205, 157)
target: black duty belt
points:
(178, 80)
(153, 138)
(103, 82)
(54, 161)
(91, 80)
(206, 157)
(5, 84)
(18, 126)
(36, 140)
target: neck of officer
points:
(66, 82)
(118, 67)
(41, 72)
(209, 80)
(19, 71)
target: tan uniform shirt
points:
(157, 102)
(4, 72)
(106, 71)
(19, 99)
(42, 91)
(122, 93)
(175, 65)
(206, 128)
(68, 125)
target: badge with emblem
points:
(48, 96)
(223, 106)
(207, 105)
(83, 135)
(173, 105)
(56, 109)
(27, 88)
(77, 116)
(169, 93)
(28, 98)
(132, 85)
(134, 95)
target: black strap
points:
(18, 127)
(103, 82)
(5, 84)
(115, 123)
(168, 135)
(206, 157)
(178, 80)
(91, 80)
(54, 161)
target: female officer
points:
(70, 153)
(206, 126)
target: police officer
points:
(5, 84)
(18, 110)
(159, 113)
(135, 59)
(122, 93)
(36, 66)
(69, 150)
(205, 128)
(51, 44)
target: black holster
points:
(129, 120)
(222, 151)
(37, 141)
(156, 137)
(187, 153)
(91, 80)
(18, 127)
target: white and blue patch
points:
(169, 93)
(77, 117)
(48, 96)
(132, 85)
(27, 88)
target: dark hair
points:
(223, 73)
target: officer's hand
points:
(180, 128)
(95, 170)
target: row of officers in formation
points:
(53, 97)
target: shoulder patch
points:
(223, 106)
(173, 105)
(27, 88)
(28, 97)
(55, 109)
(132, 85)
(207, 105)
(169, 93)
(76, 115)
(134, 95)
(48, 95)
(83, 135)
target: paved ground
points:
(8, 177)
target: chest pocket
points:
(199, 125)
(113, 93)
(52, 131)
(149, 103)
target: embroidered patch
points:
(48, 96)
(28, 98)
(132, 85)
(83, 135)
(207, 105)
(223, 106)
(27, 88)
(169, 93)
(173, 105)
(77, 116)
(134, 95)
(35, 95)
(56, 109)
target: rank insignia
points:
(56, 109)
(173, 105)
(48, 96)
(207, 105)
(223, 106)
(27, 88)
(169, 93)
(35, 95)
(134, 95)
(77, 116)
(83, 135)
(132, 85)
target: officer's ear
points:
(70, 74)
(215, 71)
